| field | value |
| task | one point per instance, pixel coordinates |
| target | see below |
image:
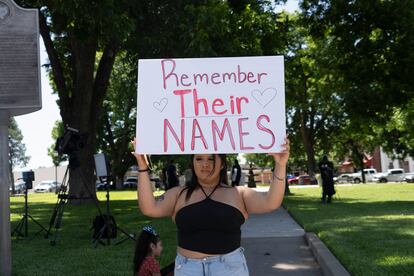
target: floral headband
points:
(150, 230)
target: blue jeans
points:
(233, 263)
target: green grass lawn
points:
(369, 228)
(75, 254)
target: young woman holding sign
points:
(209, 213)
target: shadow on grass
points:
(75, 253)
(368, 237)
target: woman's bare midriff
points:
(193, 254)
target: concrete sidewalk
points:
(275, 245)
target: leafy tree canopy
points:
(187, 29)
(17, 149)
(57, 131)
(370, 41)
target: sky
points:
(290, 6)
(37, 127)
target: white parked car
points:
(369, 175)
(47, 186)
(392, 175)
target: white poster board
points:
(211, 105)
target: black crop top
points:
(209, 226)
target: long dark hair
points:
(142, 247)
(190, 186)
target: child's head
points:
(148, 244)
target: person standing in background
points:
(188, 174)
(326, 169)
(235, 173)
(164, 177)
(172, 178)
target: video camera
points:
(70, 141)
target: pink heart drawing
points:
(264, 97)
(160, 106)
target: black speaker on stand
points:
(105, 226)
(28, 178)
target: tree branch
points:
(57, 70)
(103, 74)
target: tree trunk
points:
(361, 161)
(81, 83)
(118, 182)
(81, 180)
(358, 156)
(82, 108)
(82, 116)
(287, 190)
(308, 143)
(363, 176)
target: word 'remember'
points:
(215, 78)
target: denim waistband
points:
(211, 259)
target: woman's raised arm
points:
(259, 202)
(146, 200)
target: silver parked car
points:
(343, 178)
(392, 175)
(409, 178)
(47, 186)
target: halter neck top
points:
(209, 226)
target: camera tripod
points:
(57, 215)
(109, 227)
(24, 222)
(56, 218)
(63, 197)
